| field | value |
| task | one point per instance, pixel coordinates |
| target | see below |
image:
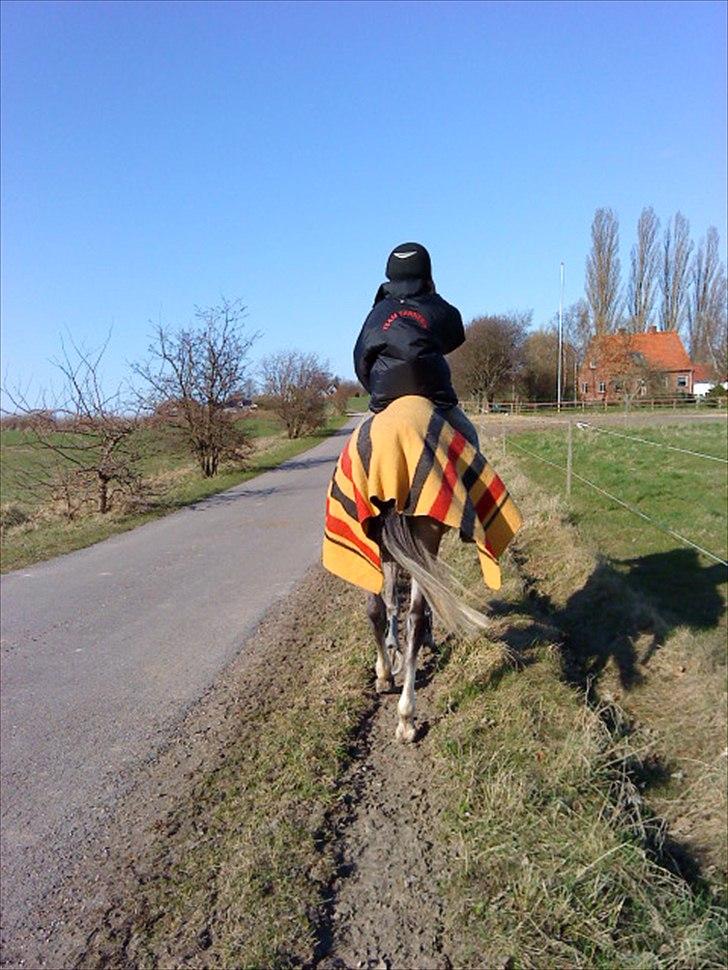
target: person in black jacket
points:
(402, 346)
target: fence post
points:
(569, 457)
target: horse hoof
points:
(384, 685)
(405, 732)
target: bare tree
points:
(578, 329)
(603, 272)
(706, 310)
(83, 439)
(191, 375)
(297, 385)
(645, 262)
(490, 359)
(676, 249)
(629, 372)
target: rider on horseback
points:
(402, 345)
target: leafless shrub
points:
(539, 370)
(296, 384)
(192, 373)
(13, 515)
(344, 390)
(86, 438)
(22, 422)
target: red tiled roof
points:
(663, 350)
(703, 373)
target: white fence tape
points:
(585, 426)
(630, 508)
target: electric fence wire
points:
(630, 508)
(645, 441)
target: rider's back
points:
(402, 345)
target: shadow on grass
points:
(600, 624)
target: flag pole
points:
(561, 326)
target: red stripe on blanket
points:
(340, 528)
(363, 508)
(449, 479)
(489, 498)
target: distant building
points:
(239, 402)
(705, 379)
(627, 365)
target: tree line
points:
(672, 284)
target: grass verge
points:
(549, 793)
(644, 619)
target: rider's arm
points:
(367, 349)
(450, 330)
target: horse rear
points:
(423, 536)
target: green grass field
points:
(359, 404)
(683, 492)
(174, 478)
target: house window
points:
(602, 387)
(682, 380)
(585, 387)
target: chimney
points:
(652, 329)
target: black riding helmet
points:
(407, 262)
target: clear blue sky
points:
(158, 155)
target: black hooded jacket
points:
(402, 345)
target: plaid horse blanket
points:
(410, 454)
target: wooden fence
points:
(681, 403)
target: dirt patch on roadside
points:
(386, 907)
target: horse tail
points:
(443, 591)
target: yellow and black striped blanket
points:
(410, 454)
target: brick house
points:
(626, 365)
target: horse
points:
(404, 478)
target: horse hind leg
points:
(382, 612)
(416, 631)
(419, 627)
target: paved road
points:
(103, 650)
